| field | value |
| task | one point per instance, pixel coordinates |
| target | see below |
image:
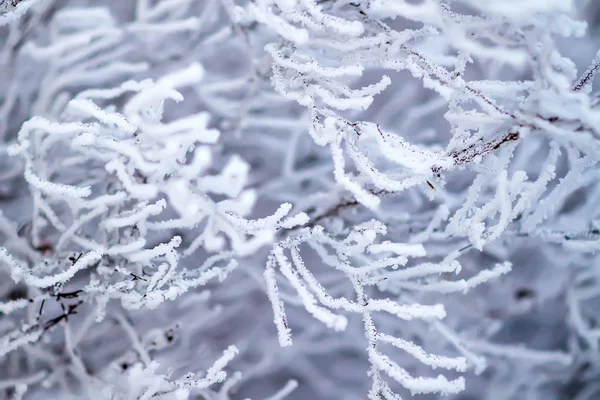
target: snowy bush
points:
(299, 199)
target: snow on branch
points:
(402, 188)
(388, 270)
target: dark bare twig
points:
(75, 259)
(334, 211)
(71, 310)
(467, 155)
(68, 295)
(41, 309)
(587, 77)
(137, 277)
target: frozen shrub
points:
(328, 199)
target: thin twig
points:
(587, 76)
